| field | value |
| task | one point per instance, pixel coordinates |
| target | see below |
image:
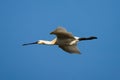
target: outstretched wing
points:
(61, 33)
(70, 48)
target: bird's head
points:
(41, 42)
(46, 42)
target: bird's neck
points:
(44, 42)
(53, 42)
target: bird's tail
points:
(29, 43)
(89, 38)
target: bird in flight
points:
(65, 40)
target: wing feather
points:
(70, 49)
(62, 33)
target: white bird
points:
(65, 40)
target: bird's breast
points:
(66, 41)
(73, 42)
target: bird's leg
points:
(89, 38)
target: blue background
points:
(23, 21)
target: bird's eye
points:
(42, 43)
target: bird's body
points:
(64, 40)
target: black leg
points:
(89, 38)
(92, 37)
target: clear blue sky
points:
(23, 21)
